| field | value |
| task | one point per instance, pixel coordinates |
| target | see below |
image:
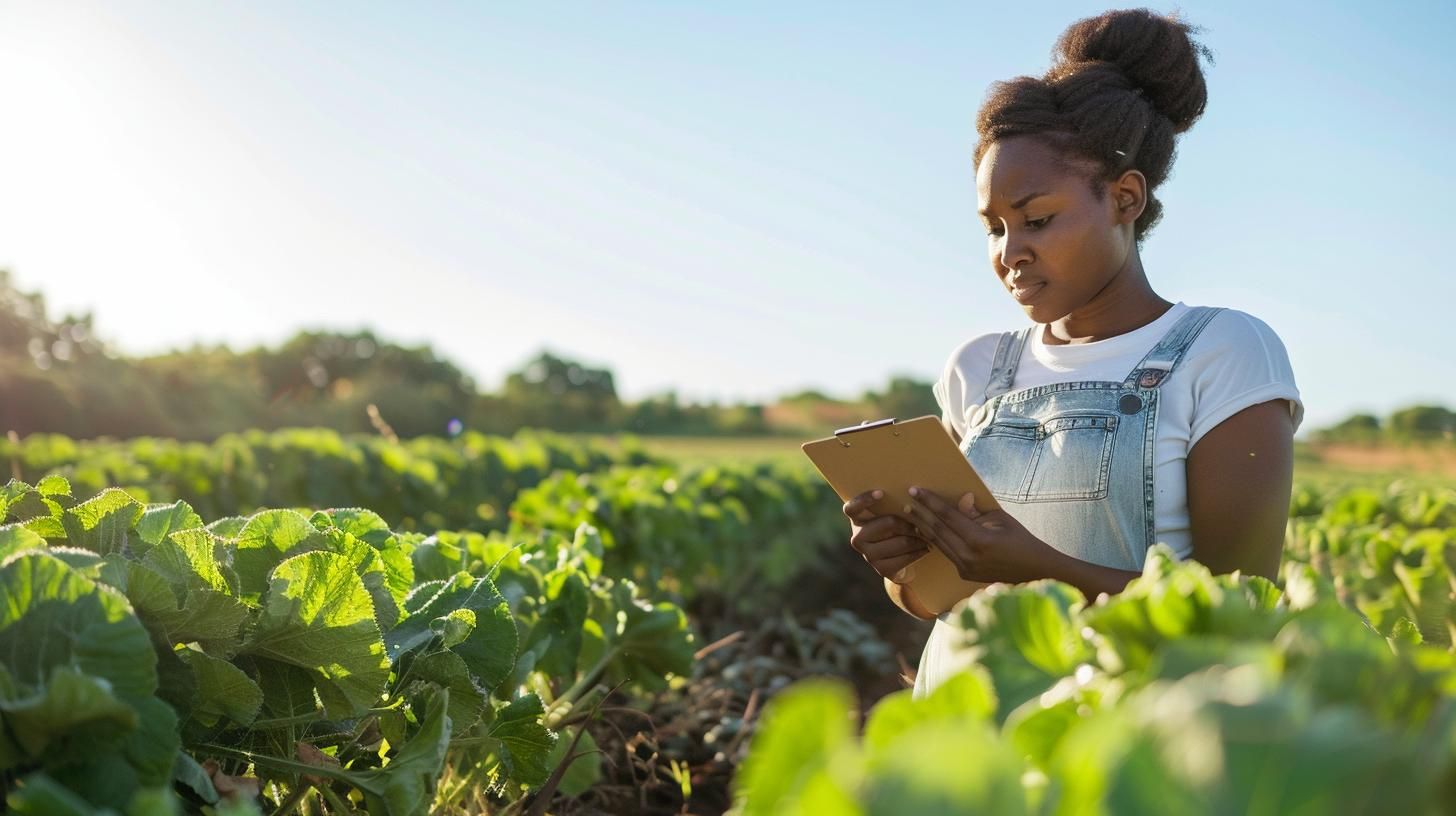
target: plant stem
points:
(296, 796)
(280, 722)
(562, 705)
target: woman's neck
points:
(1126, 304)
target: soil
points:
(704, 728)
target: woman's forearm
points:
(1092, 579)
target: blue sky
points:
(733, 200)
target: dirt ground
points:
(1426, 460)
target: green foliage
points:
(740, 530)
(432, 483)
(1185, 693)
(162, 641)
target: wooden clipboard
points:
(893, 456)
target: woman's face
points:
(1052, 244)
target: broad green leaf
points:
(455, 628)
(559, 623)
(437, 558)
(47, 527)
(70, 713)
(405, 786)
(524, 744)
(651, 641)
(805, 731)
(160, 520)
(24, 503)
(585, 771)
(1026, 636)
(1036, 730)
(16, 538)
(366, 525)
(144, 759)
(489, 651)
(966, 696)
(101, 524)
(188, 558)
(318, 616)
(53, 616)
(287, 689)
(89, 564)
(228, 527)
(39, 795)
(945, 766)
(195, 778)
(370, 568)
(223, 690)
(53, 486)
(200, 615)
(447, 670)
(263, 543)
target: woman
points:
(1118, 419)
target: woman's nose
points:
(1014, 252)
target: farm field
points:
(305, 622)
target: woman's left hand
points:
(986, 547)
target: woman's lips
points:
(1024, 294)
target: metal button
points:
(1130, 404)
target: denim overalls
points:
(1071, 461)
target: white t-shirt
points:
(1235, 362)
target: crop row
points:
(146, 653)
(1333, 691)
(425, 483)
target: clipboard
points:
(892, 456)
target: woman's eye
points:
(1036, 225)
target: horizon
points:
(700, 199)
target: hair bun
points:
(1156, 54)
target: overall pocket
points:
(1066, 457)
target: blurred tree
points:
(1422, 422)
(554, 392)
(1356, 428)
(905, 398)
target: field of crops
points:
(304, 622)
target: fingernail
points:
(879, 494)
(915, 491)
(909, 509)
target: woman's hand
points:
(888, 543)
(986, 547)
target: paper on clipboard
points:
(893, 456)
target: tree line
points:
(58, 376)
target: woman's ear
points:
(1130, 196)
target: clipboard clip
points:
(864, 426)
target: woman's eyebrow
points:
(1019, 203)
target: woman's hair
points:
(1125, 80)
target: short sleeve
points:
(947, 392)
(1241, 363)
(963, 380)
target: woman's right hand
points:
(888, 543)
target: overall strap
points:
(1003, 366)
(1165, 356)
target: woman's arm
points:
(1239, 478)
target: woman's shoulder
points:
(1235, 330)
(1237, 360)
(963, 376)
(971, 359)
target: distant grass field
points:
(708, 449)
(1373, 471)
